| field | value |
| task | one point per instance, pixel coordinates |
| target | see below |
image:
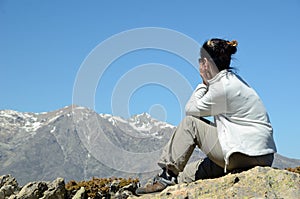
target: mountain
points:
(282, 162)
(72, 143)
(77, 143)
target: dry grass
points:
(296, 169)
(99, 186)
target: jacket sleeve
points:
(206, 102)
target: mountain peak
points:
(141, 118)
(142, 115)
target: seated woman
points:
(240, 138)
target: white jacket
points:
(242, 121)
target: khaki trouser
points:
(193, 132)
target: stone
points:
(80, 194)
(43, 190)
(56, 190)
(32, 190)
(126, 191)
(259, 182)
(8, 186)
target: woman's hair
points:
(219, 51)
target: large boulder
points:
(259, 182)
(8, 186)
(42, 190)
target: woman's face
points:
(201, 65)
(202, 70)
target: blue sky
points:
(43, 45)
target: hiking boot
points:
(158, 184)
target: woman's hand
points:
(204, 77)
(207, 71)
(204, 73)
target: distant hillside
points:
(77, 143)
(282, 162)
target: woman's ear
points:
(205, 59)
(205, 63)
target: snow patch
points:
(119, 119)
(41, 113)
(53, 129)
(105, 116)
(163, 124)
(36, 126)
(31, 127)
(113, 119)
(14, 119)
(143, 127)
(79, 108)
(54, 118)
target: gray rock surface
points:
(39, 190)
(56, 190)
(80, 194)
(8, 186)
(259, 182)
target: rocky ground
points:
(259, 182)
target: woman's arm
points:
(198, 93)
(208, 101)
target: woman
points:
(240, 138)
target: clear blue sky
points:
(43, 44)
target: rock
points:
(80, 194)
(114, 187)
(32, 190)
(8, 186)
(42, 190)
(121, 190)
(126, 191)
(259, 182)
(56, 190)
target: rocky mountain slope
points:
(76, 143)
(67, 143)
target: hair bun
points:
(233, 43)
(220, 51)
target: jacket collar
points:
(218, 76)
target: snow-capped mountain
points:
(142, 124)
(78, 143)
(66, 143)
